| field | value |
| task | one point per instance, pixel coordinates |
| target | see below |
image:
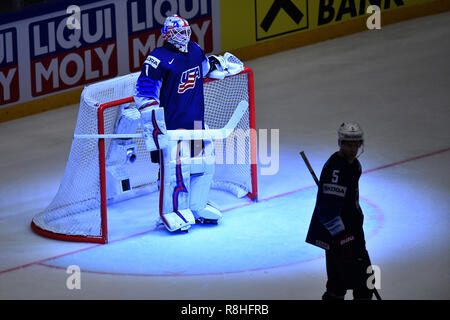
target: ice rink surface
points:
(395, 82)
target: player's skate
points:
(208, 215)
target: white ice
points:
(394, 81)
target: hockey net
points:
(90, 183)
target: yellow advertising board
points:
(276, 18)
(247, 23)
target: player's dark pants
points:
(348, 270)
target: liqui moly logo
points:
(9, 71)
(146, 18)
(188, 79)
(63, 56)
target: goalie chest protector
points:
(178, 77)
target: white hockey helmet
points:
(177, 31)
(350, 131)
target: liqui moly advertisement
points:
(70, 44)
(9, 78)
(63, 57)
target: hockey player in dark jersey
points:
(169, 96)
(337, 222)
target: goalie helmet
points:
(350, 131)
(177, 31)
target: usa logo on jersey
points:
(188, 79)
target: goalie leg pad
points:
(154, 129)
(174, 193)
(202, 171)
(178, 221)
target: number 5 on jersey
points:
(335, 177)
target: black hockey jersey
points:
(337, 206)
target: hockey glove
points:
(222, 66)
(214, 63)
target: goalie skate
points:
(209, 215)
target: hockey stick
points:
(308, 165)
(176, 135)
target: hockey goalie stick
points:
(308, 165)
(176, 135)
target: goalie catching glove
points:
(223, 66)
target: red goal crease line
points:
(41, 261)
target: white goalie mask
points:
(351, 131)
(177, 31)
